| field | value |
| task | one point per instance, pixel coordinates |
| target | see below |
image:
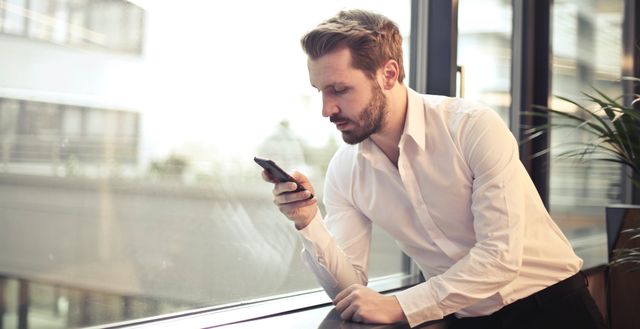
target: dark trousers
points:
(566, 304)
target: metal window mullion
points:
(630, 68)
(531, 85)
(418, 46)
(437, 41)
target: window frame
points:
(429, 54)
(259, 308)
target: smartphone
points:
(278, 173)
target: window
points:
(40, 26)
(46, 135)
(14, 17)
(484, 52)
(60, 22)
(112, 25)
(586, 53)
(131, 190)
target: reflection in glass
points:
(40, 24)
(586, 54)
(484, 52)
(14, 16)
(127, 186)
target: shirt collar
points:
(415, 121)
(414, 126)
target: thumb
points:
(302, 180)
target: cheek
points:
(354, 103)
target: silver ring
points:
(356, 318)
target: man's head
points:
(355, 61)
(373, 39)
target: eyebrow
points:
(333, 85)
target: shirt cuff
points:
(418, 304)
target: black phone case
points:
(277, 172)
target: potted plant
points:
(613, 131)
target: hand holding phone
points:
(278, 173)
(300, 211)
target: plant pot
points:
(624, 286)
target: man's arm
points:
(336, 249)
(497, 205)
(340, 259)
(334, 266)
(337, 260)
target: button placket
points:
(410, 183)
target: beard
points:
(371, 119)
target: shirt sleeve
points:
(497, 206)
(336, 249)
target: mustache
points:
(336, 118)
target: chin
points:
(353, 140)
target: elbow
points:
(498, 266)
(507, 268)
(361, 276)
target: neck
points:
(388, 138)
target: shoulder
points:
(459, 114)
(454, 107)
(339, 176)
(343, 161)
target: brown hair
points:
(373, 39)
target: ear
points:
(390, 74)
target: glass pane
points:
(40, 21)
(131, 34)
(77, 16)
(107, 19)
(484, 52)
(60, 21)
(128, 185)
(586, 53)
(38, 132)
(8, 129)
(14, 16)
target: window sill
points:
(259, 309)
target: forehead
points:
(333, 68)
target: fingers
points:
(343, 294)
(291, 197)
(361, 304)
(345, 302)
(291, 209)
(299, 205)
(284, 195)
(302, 180)
(345, 307)
(286, 187)
(267, 177)
(351, 313)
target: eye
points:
(340, 91)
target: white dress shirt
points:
(460, 204)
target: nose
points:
(329, 106)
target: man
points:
(441, 176)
